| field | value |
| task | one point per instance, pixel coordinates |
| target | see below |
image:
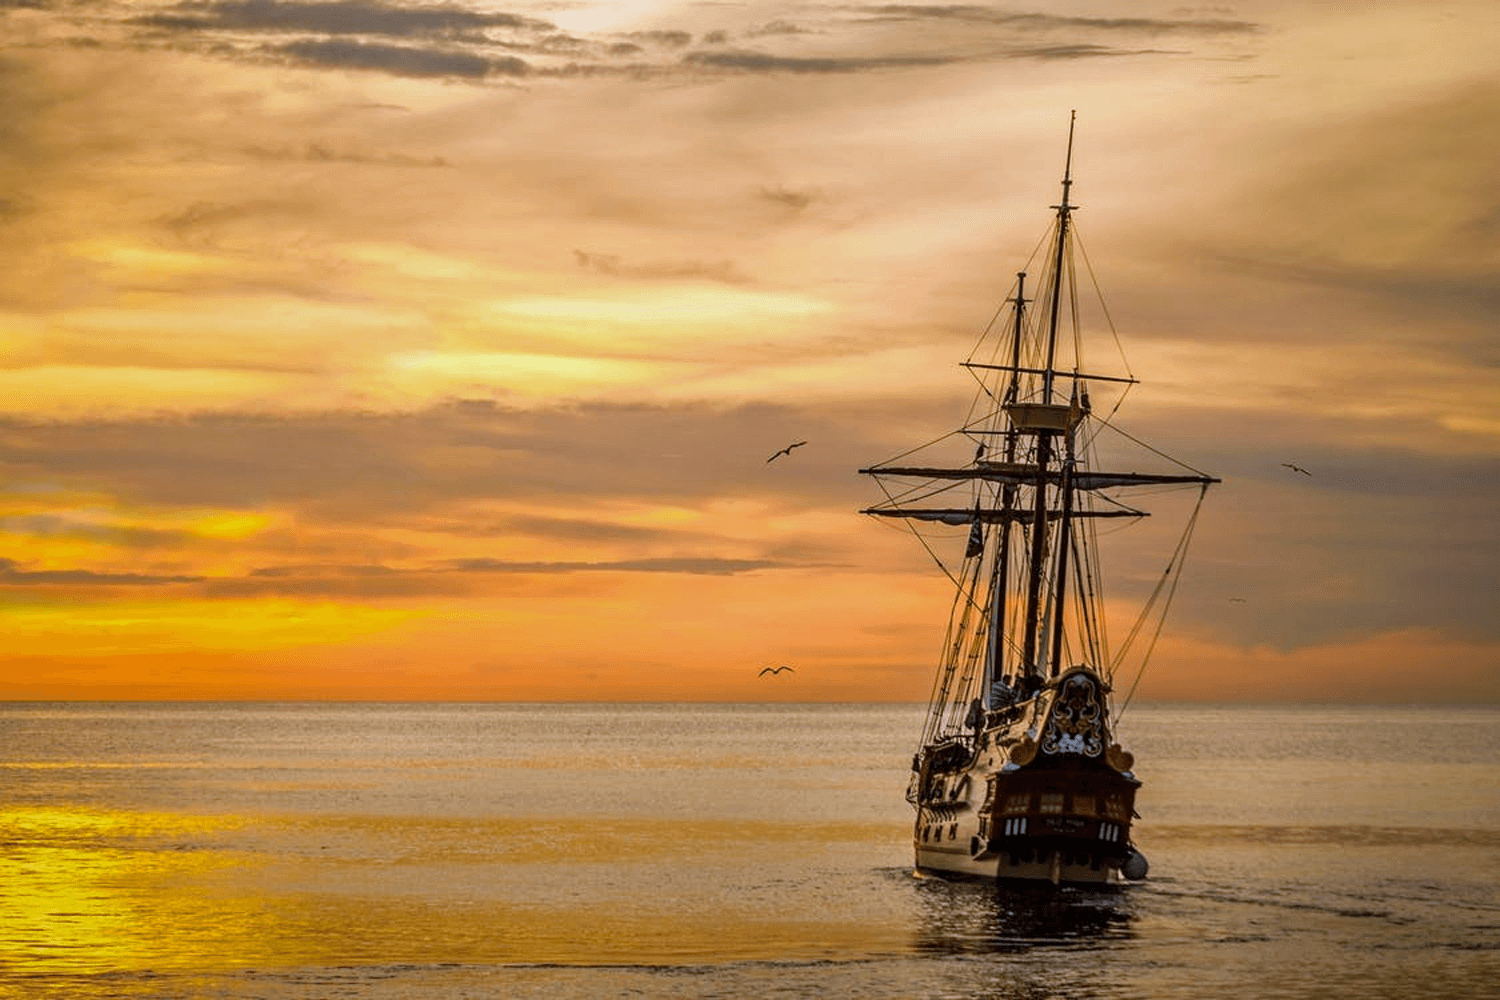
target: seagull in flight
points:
(1296, 468)
(775, 670)
(785, 451)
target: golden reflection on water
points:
(91, 890)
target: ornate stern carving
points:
(1076, 723)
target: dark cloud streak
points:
(723, 271)
(398, 60)
(11, 575)
(789, 197)
(338, 18)
(742, 61)
(1046, 22)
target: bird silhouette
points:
(785, 451)
(1296, 468)
(1236, 600)
(775, 670)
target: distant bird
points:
(775, 670)
(1296, 468)
(785, 451)
(1236, 600)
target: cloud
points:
(398, 59)
(425, 460)
(317, 153)
(1049, 22)
(337, 18)
(789, 197)
(12, 575)
(669, 39)
(565, 529)
(330, 580)
(1393, 665)
(613, 265)
(458, 40)
(778, 28)
(1081, 51)
(1398, 202)
(1418, 285)
(461, 43)
(452, 578)
(760, 62)
(1379, 536)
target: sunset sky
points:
(402, 350)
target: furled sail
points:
(954, 515)
(1020, 474)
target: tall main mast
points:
(1063, 212)
(1039, 524)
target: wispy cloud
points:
(400, 60)
(789, 197)
(12, 575)
(317, 153)
(778, 28)
(1035, 21)
(742, 61)
(615, 266)
(346, 17)
(669, 39)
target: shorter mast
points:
(1007, 503)
(1064, 536)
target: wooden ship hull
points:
(1038, 792)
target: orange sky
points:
(373, 349)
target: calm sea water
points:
(467, 851)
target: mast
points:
(1063, 211)
(1039, 527)
(1008, 498)
(1064, 536)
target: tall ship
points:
(1018, 774)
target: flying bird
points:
(1296, 468)
(1236, 600)
(775, 670)
(785, 451)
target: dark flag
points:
(976, 536)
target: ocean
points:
(313, 851)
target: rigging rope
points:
(1088, 266)
(1179, 557)
(1153, 451)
